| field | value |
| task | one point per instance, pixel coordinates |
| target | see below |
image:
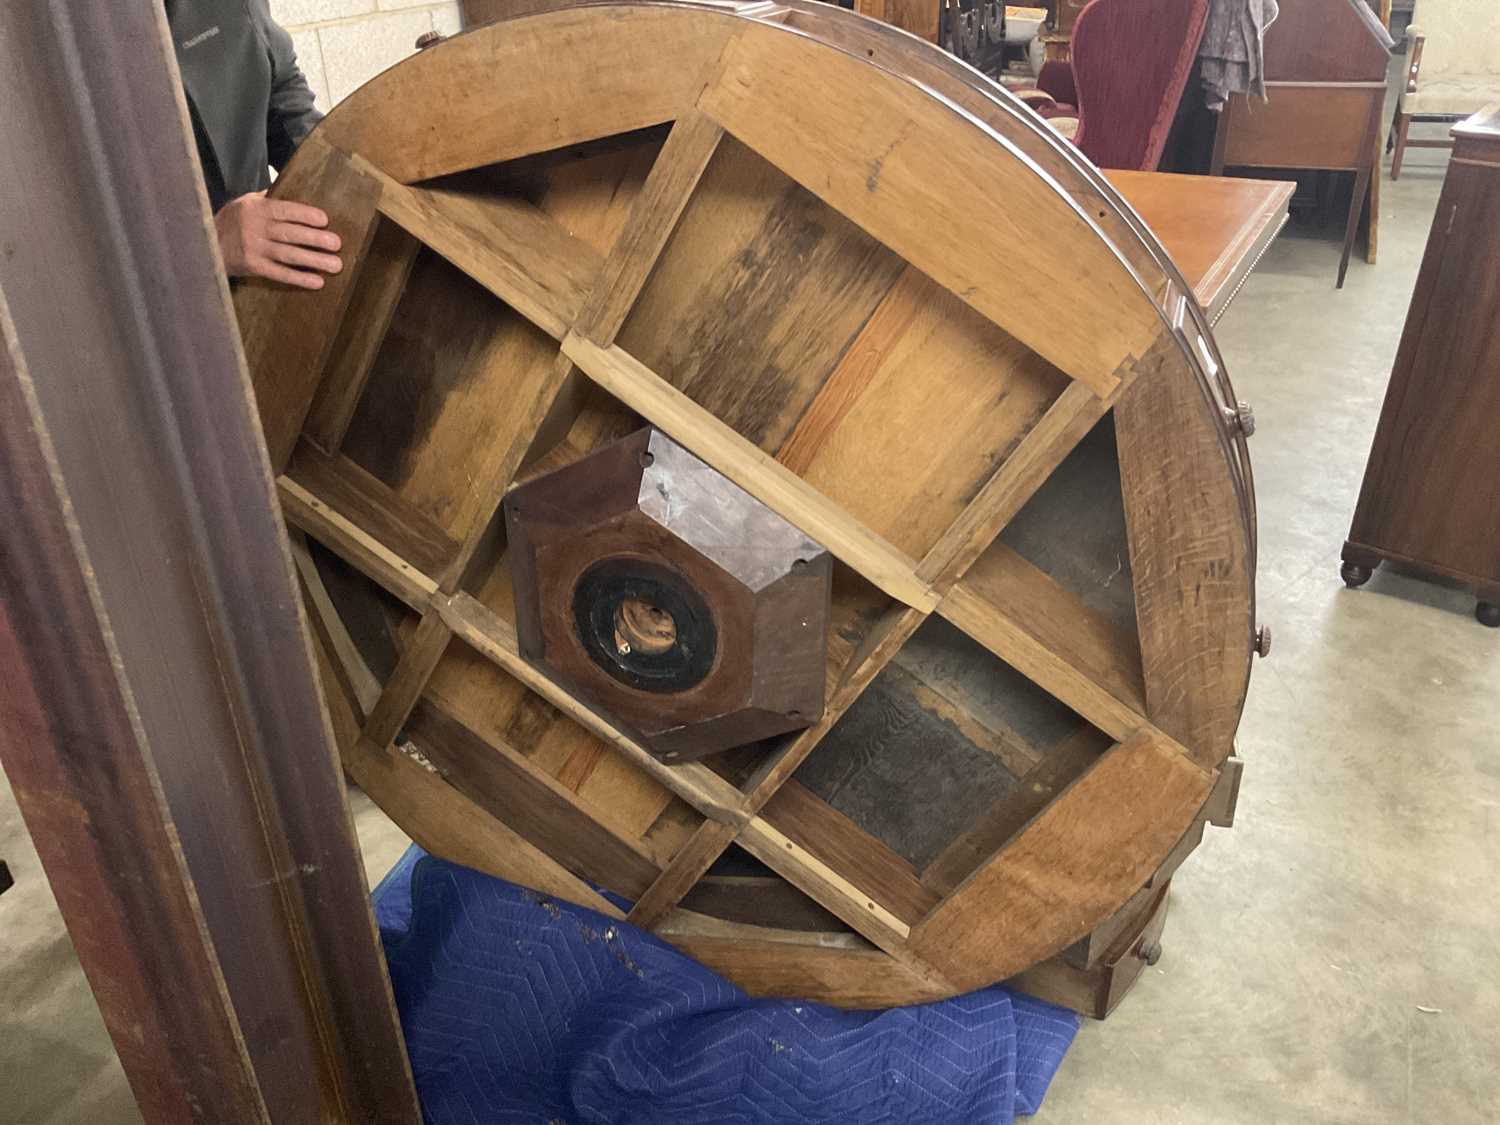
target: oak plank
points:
(1046, 633)
(758, 292)
(383, 271)
(307, 511)
(1077, 303)
(423, 651)
(530, 801)
(1082, 856)
(845, 975)
(566, 82)
(1192, 562)
(924, 354)
(653, 216)
(864, 861)
(509, 246)
(1058, 769)
(368, 502)
(447, 395)
(856, 370)
(288, 334)
(758, 474)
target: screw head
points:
(1263, 641)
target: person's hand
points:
(277, 240)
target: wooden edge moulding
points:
(785, 489)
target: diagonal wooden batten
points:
(781, 490)
(404, 688)
(877, 650)
(361, 685)
(382, 277)
(494, 638)
(830, 888)
(1048, 635)
(824, 883)
(287, 342)
(1084, 312)
(864, 860)
(692, 862)
(365, 522)
(1040, 452)
(373, 505)
(345, 538)
(653, 216)
(436, 814)
(1077, 860)
(510, 247)
(632, 257)
(446, 823)
(538, 389)
(1045, 447)
(525, 797)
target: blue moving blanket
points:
(519, 1009)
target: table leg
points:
(1351, 227)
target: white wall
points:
(342, 44)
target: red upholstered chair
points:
(1131, 60)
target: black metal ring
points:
(597, 598)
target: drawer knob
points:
(1263, 641)
(1241, 417)
(1150, 953)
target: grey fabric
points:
(1232, 49)
(250, 104)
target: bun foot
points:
(1488, 613)
(1355, 575)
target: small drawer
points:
(1096, 991)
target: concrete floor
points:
(1335, 958)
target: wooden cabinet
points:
(1431, 493)
(1325, 63)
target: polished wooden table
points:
(1215, 227)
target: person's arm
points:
(291, 114)
(276, 238)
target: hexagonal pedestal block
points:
(668, 598)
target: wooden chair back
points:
(1131, 60)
